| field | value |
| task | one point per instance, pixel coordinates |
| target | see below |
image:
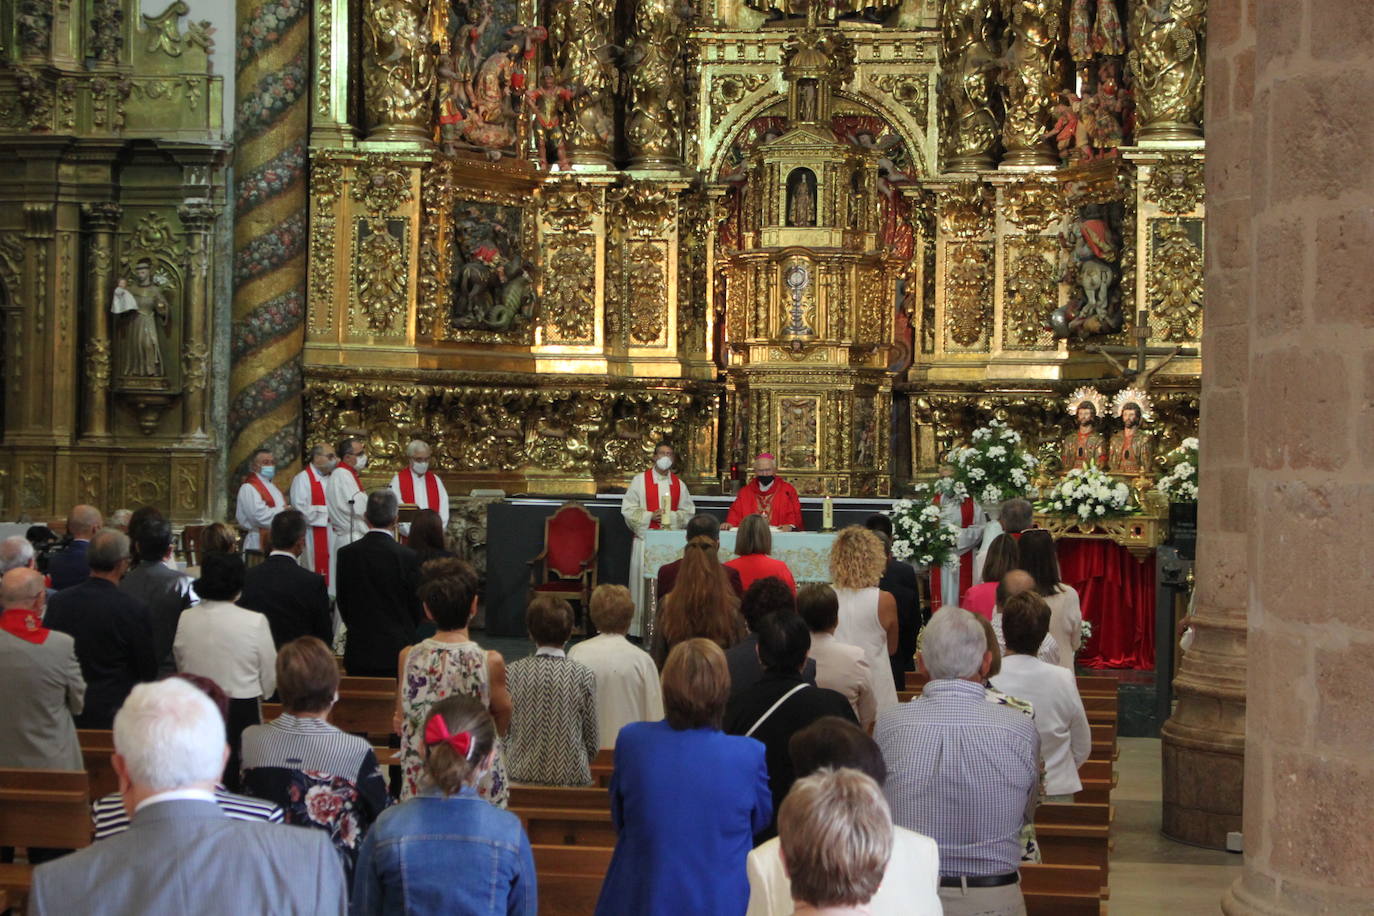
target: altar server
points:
(308, 497)
(642, 508)
(767, 495)
(948, 583)
(344, 494)
(259, 500)
(416, 485)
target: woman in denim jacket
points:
(446, 850)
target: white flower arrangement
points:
(1085, 629)
(1179, 483)
(918, 534)
(1088, 493)
(996, 466)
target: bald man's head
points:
(83, 521)
(1014, 582)
(22, 587)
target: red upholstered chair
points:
(572, 536)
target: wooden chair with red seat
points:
(572, 537)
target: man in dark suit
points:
(68, 566)
(113, 630)
(294, 599)
(166, 589)
(378, 581)
(899, 580)
(701, 524)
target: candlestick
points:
(828, 514)
(665, 506)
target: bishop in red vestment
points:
(766, 495)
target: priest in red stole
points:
(949, 582)
(259, 500)
(418, 485)
(776, 500)
(307, 496)
(642, 509)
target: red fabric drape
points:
(1117, 594)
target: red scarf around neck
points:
(256, 482)
(407, 481)
(319, 534)
(651, 496)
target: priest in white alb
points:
(417, 485)
(948, 583)
(345, 496)
(308, 497)
(259, 501)
(646, 499)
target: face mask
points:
(329, 465)
(765, 480)
(664, 463)
(267, 472)
(419, 467)
(362, 461)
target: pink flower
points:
(323, 806)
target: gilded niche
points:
(1176, 279)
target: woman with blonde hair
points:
(868, 617)
(702, 603)
(753, 544)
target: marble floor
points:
(1149, 873)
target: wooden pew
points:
(365, 707)
(1075, 834)
(588, 799)
(97, 747)
(1063, 890)
(567, 826)
(570, 878)
(1088, 684)
(1101, 709)
(45, 808)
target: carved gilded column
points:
(580, 39)
(398, 69)
(198, 218)
(654, 107)
(1168, 49)
(330, 122)
(1031, 80)
(102, 219)
(968, 54)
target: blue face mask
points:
(267, 472)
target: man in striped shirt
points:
(962, 770)
(110, 817)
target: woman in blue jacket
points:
(686, 799)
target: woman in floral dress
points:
(449, 664)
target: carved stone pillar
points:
(1031, 81)
(398, 69)
(102, 219)
(968, 52)
(1168, 52)
(198, 219)
(654, 107)
(580, 39)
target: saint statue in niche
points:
(142, 307)
(806, 107)
(801, 198)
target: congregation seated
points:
(182, 853)
(686, 799)
(781, 703)
(839, 666)
(701, 525)
(218, 538)
(445, 850)
(868, 615)
(1013, 583)
(962, 770)
(836, 836)
(40, 679)
(110, 818)
(703, 603)
(553, 738)
(909, 885)
(1040, 558)
(113, 630)
(69, 566)
(766, 596)
(292, 598)
(1065, 738)
(753, 544)
(377, 578)
(321, 777)
(155, 579)
(1001, 557)
(627, 688)
(231, 645)
(448, 664)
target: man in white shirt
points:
(259, 500)
(839, 666)
(417, 485)
(1065, 737)
(345, 496)
(308, 498)
(643, 509)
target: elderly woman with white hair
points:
(416, 484)
(182, 853)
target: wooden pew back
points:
(48, 808)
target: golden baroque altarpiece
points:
(544, 235)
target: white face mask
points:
(362, 461)
(267, 471)
(419, 467)
(664, 463)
